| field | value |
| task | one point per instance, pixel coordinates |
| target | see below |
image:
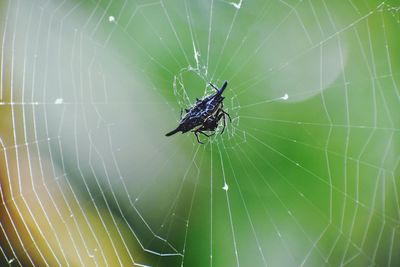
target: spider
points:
(204, 116)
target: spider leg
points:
(208, 135)
(221, 114)
(227, 114)
(181, 112)
(223, 124)
(196, 133)
(213, 86)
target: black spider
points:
(205, 115)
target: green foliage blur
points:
(310, 162)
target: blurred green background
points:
(306, 174)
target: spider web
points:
(307, 173)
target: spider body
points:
(204, 115)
